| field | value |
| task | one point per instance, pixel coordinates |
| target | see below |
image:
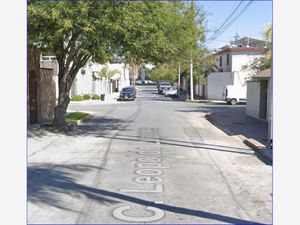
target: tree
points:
(166, 71)
(107, 74)
(142, 32)
(74, 32)
(147, 32)
(261, 63)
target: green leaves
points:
(261, 63)
(140, 31)
(106, 73)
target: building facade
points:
(41, 88)
(88, 80)
(259, 96)
(230, 61)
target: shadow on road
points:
(47, 183)
(185, 144)
(96, 125)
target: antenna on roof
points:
(248, 42)
(236, 37)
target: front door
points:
(263, 99)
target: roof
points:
(265, 73)
(240, 49)
(250, 42)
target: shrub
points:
(86, 97)
(77, 98)
(96, 97)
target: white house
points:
(88, 82)
(230, 60)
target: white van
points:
(234, 94)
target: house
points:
(88, 82)
(249, 42)
(230, 61)
(41, 88)
(259, 96)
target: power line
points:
(232, 13)
(223, 29)
(220, 27)
(232, 21)
(237, 16)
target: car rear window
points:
(127, 89)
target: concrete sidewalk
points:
(253, 132)
(111, 98)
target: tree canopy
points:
(261, 63)
(75, 32)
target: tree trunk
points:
(61, 107)
(135, 72)
(66, 77)
(65, 84)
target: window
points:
(220, 61)
(227, 59)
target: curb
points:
(82, 120)
(260, 149)
(256, 145)
(262, 152)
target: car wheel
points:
(233, 101)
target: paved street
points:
(153, 160)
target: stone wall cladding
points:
(46, 90)
(47, 97)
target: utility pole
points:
(178, 85)
(191, 80)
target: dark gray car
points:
(127, 93)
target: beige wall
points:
(45, 86)
(47, 94)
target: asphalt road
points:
(153, 160)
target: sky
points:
(250, 23)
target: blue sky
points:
(251, 22)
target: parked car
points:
(234, 94)
(171, 92)
(128, 93)
(164, 85)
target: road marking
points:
(149, 159)
(148, 180)
(157, 214)
(149, 152)
(149, 172)
(149, 169)
(151, 165)
(157, 188)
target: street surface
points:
(152, 160)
